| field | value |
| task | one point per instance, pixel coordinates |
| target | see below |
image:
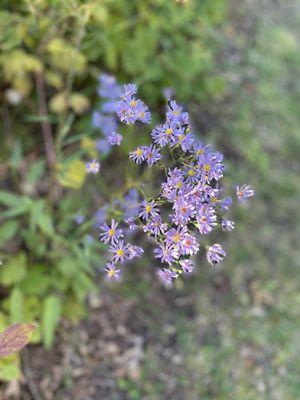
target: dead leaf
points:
(15, 338)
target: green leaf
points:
(7, 231)
(17, 204)
(9, 199)
(16, 308)
(50, 319)
(36, 282)
(14, 271)
(10, 368)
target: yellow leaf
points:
(54, 79)
(73, 174)
(65, 57)
(79, 103)
(89, 146)
(58, 103)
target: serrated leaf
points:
(50, 319)
(15, 338)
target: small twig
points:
(28, 376)
(46, 127)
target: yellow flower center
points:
(148, 208)
(176, 112)
(120, 252)
(176, 238)
(111, 232)
(111, 273)
(206, 167)
(179, 185)
(133, 103)
(200, 152)
(191, 172)
(139, 152)
(142, 114)
(213, 199)
(169, 131)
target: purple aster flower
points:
(167, 254)
(206, 219)
(130, 109)
(215, 254)
(189, 245)
(159, 136)
(134, 251)
(148, 208)
(138, 155)
(225, 204)
(108, 87)
(106, 123)
(200, 150)
(121, 251)
(187, 265)
(174, 112)
(93, 167)
(128, 91)
(108, 107)
(152, 155)
(103, 146)
(191, 173)
(184, 211)
(243, 192)
(211, 166)
(155, 226)
(166, 276)
(115, 139)
(111, 272)
(175, 236)
(110, 233)
(131, 223)
(227, 225)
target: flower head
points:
(215, 254)
(138, 155)
(152, 155)
(148, 208)
(115, 139)
(227, 225)
(93, 167)
(121, 251)
(110, 233)
(130, 109)
(244, 191)
(111, 272)
(187, 265)
(167, 254)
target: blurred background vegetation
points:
(229, 333)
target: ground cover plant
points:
(52, 53)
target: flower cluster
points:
(130, 109)
(120, 250)
(190, 204)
